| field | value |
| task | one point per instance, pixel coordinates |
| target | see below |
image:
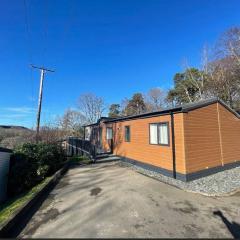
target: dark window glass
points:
(127, 133)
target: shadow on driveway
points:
(23, 221)
(233, 227)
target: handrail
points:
(84, 146)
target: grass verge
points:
(80, 159)
(8, 208)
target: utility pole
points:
(43, 71)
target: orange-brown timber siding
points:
(211, 137)
(206, 137)
(139, 147)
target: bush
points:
(31, 163)
(50, 155)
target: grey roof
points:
(181, 108)
(104, 119)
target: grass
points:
(8, 208)
(80, 159)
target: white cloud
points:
(26, 110)
(21, 115)
(12, 116)
(17, 115)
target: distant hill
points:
(11, 135)
(14, 127)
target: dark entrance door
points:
(99, 145)
(100, 136)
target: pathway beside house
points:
(106, 200)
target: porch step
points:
(104, 155)
(109, 158)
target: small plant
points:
(80, 159)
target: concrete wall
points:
(4, 169)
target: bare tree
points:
(197, 78)
(51, 134)
(91, 106)
(224, 69)
(228, 45)
(123, 106)
(155, 99)
(224, 81)
(71, 122)
(218, 76)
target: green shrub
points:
(50, 155)
(31, 163)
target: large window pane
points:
(153, 134)
(163, 133)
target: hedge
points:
(31, 163)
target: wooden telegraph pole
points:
(43, 71)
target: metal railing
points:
(78, 146)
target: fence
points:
(78, 146)
(4, 170)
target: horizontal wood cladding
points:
(202, 142)
(139, 147)
(230, 132)
(211, 140)
(179, 142)
(205, 138)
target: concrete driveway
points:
(106, 200)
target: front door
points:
(100, 136)
(99, 147)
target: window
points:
(109, 133)
(159, 133)
(100, 135)
(127, 133)
(163, 134)
(153, 133)
(87, 133)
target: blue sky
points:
(111, 48)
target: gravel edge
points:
(221, 184)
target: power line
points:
(28, 31)
(29, 48)
(45, 31)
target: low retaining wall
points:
(7, 228)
